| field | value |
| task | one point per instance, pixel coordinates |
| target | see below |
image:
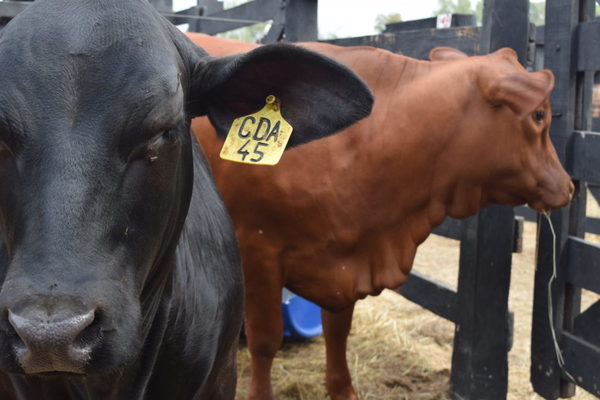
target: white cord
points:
(559, 356)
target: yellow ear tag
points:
(258, 138)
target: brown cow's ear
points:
(446, 54)
(522, 92)
(505, 52)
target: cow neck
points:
(430, 100)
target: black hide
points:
(119, 271)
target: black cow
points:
(119, 267)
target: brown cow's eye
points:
(539, 116)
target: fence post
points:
(301, 21)
(569, 102)
(484, 326)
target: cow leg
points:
(264, 333)
(336, 328)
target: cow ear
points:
(505, 52)
(318, 96)
(446, 54)
(523, 92)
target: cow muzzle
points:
(53, 339)
(558, 197)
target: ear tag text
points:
(258, 138)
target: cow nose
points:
(59, 342)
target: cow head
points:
(507, 124)
(95, 166)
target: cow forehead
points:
(101, 31)
(93, 58)
(51, 33)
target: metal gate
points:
(572, 44)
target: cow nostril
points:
(92, 333)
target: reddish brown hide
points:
(341, 218)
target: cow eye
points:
(164, 137)
(538, 116)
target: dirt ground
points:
(397, 350)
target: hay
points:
(399, 351)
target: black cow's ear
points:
(318, 95)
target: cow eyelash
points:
(538, 116)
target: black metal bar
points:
(582, 360)
(431, 23)
(588, 43)
(418, 44)
(186, 17)
(496, 33)
(584, 157)
(527, 213)
(583, 264)
(519, 225)
(595, 191)
(210, 6)
(592, 225)
(301, 21)
(183, 18)
(451, 228)
(257, 10)
(483, 325)
(561, 21)
(430, 294)
(586, 325)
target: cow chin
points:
(550, 199)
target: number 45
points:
(258, 154)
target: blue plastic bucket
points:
(301, 318)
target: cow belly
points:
(336, 278)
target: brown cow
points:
(341, 219)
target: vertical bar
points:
(206, 8)
(210, 6)
(561, 18)
(570, 100)
(483, 329)
(506, 24)
(483, 325)
(301, 21)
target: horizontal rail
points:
(202, 18)
(581, 361)
(583, 264)
(451, 228)
(418, 43)
(592, 225)
(585, 324)
(243, 15)
(435, 296)
(584, 157)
